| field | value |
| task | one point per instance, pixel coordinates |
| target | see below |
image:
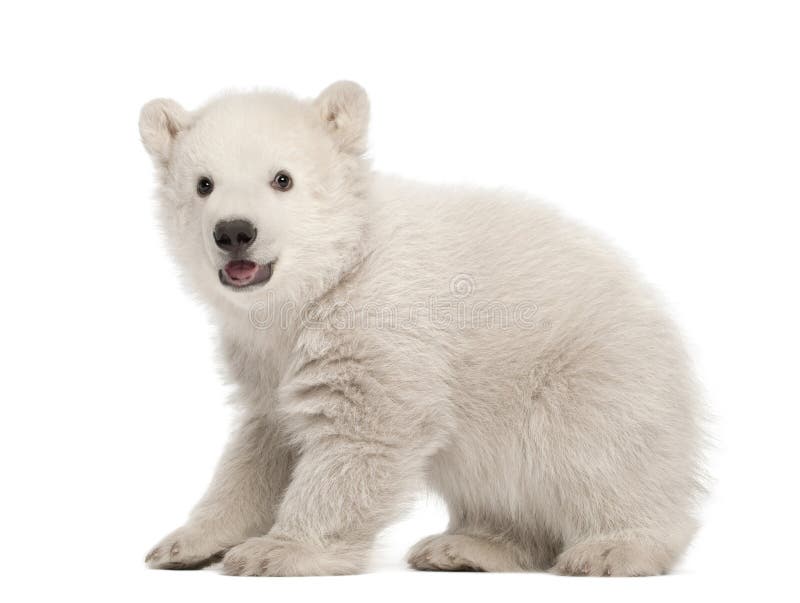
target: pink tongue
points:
(241, 270)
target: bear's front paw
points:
(185, 548)
(271, 556)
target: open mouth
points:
(244, 273)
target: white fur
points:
(472, 340)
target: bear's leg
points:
(240, 502)
(343, 491)
(364, 449)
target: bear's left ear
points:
(160, 122)
(344, 109)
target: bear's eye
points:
(204, 186)
(282, 181)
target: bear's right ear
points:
(160, 121)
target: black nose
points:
(234, 235)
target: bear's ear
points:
(344, 109)
(160, 121)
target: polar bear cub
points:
(386, 336)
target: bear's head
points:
(262, 194)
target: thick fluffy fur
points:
(472, 340)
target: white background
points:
(674, 127)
